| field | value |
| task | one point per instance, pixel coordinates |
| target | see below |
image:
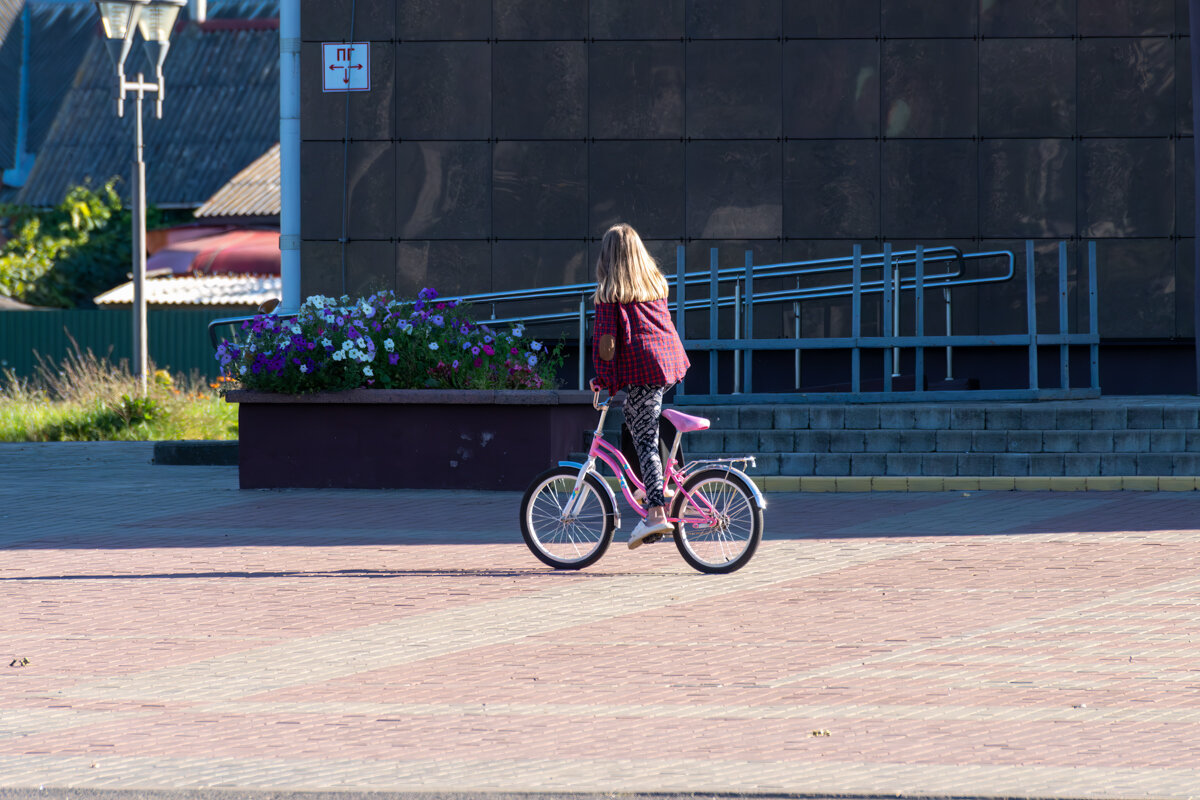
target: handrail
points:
(889, 262)
(936, 280)
(814, 266)
(725, 274)
(891, 343)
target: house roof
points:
(220, 114)
(59, 35)
(9, 304)
(248, 252)
(253, 192)
(207, 290)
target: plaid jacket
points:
(649, 352)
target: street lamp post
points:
(120, 20)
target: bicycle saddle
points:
(685, 422)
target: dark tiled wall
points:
(501, 138)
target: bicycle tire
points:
(729, 543)
(560, 544)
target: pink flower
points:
(487, 348)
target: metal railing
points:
(743, 299)
(889, 285)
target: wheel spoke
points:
(563, 538)
(718, 522)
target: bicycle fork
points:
(572, 507)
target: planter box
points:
(406, 439)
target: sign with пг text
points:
(346, 66)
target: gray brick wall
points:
(892, 440)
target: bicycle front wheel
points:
(720, 521)
(567, 540)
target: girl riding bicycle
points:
(635, 347)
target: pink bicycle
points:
(569, 512)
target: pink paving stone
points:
(65, 661)
(248, 593)
(938, 629)
(449, 737)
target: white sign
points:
(346, 67)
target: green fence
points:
(178, 337)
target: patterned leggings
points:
(643, 407)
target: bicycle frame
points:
(603, 450)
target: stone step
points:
(966, 464)
(977, 464)
(1182, 415)
(1114, 436)
(943, 441)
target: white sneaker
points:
(643, 530)
(640, 496)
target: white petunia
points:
(242, 370)
(433, 345)
(389, 345)
(368, 372)
(304, 367)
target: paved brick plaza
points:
(182, 633)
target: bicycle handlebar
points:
(596, 404)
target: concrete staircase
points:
(1113, 436)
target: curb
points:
(992, 483)
(983, 483)
(196, 453)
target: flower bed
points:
(381, 342)
(406, 439)
(385, 393)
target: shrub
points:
(66, 255)
(86, 398)
(382, 342)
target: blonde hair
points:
(625, 272)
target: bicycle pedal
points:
(652, 538)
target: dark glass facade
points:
(501, 137)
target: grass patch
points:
(87, 399)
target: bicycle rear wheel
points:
(560, 541)
(720, 521)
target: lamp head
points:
(156, 23)
(119, 18)
(157, 19)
